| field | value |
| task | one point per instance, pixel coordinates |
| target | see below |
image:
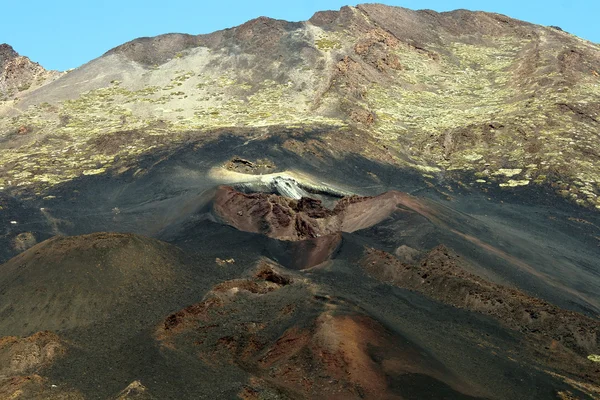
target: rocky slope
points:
(479, 98)
(375, 203)
(19, 74)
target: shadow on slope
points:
(525, 237)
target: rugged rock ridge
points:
(20, 74)
(7, 53)
(309, 231)
(568, 337)
(291, 219)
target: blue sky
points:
(63, 34)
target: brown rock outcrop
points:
(557, 337)
(288, 219)
(18, 73)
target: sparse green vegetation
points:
(72, 127)
(457, 110)
(464, 113)
(24, 87)
(325, 44)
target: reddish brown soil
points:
(334, 358)
(304, 254)
(331, 355)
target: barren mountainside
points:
(376, 203)
(481, 98)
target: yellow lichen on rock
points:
(509, 173)
(515, 183)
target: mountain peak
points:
(19, 73)
(7, 53)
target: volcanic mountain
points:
(376, 203)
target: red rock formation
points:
(288, 219)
